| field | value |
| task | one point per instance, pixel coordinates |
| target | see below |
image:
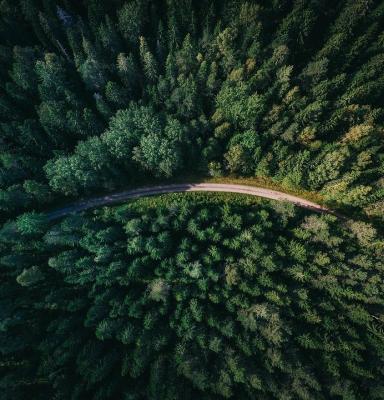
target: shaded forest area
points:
(95, 95)
(192, 296)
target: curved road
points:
(185, 187)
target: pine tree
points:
(148, 61)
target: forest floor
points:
(210, 186)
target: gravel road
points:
(187, 187)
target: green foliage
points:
(31, 223)
(191, 298)
(160, 89)
(162, 283)
(30, 276)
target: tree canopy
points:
(192, 296)
(98, 95)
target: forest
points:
(98, 94)
(191, 296)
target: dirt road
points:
(188, 187)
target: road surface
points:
(184, 187)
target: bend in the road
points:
(187, 187)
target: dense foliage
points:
(192, 297)
(96, 94)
